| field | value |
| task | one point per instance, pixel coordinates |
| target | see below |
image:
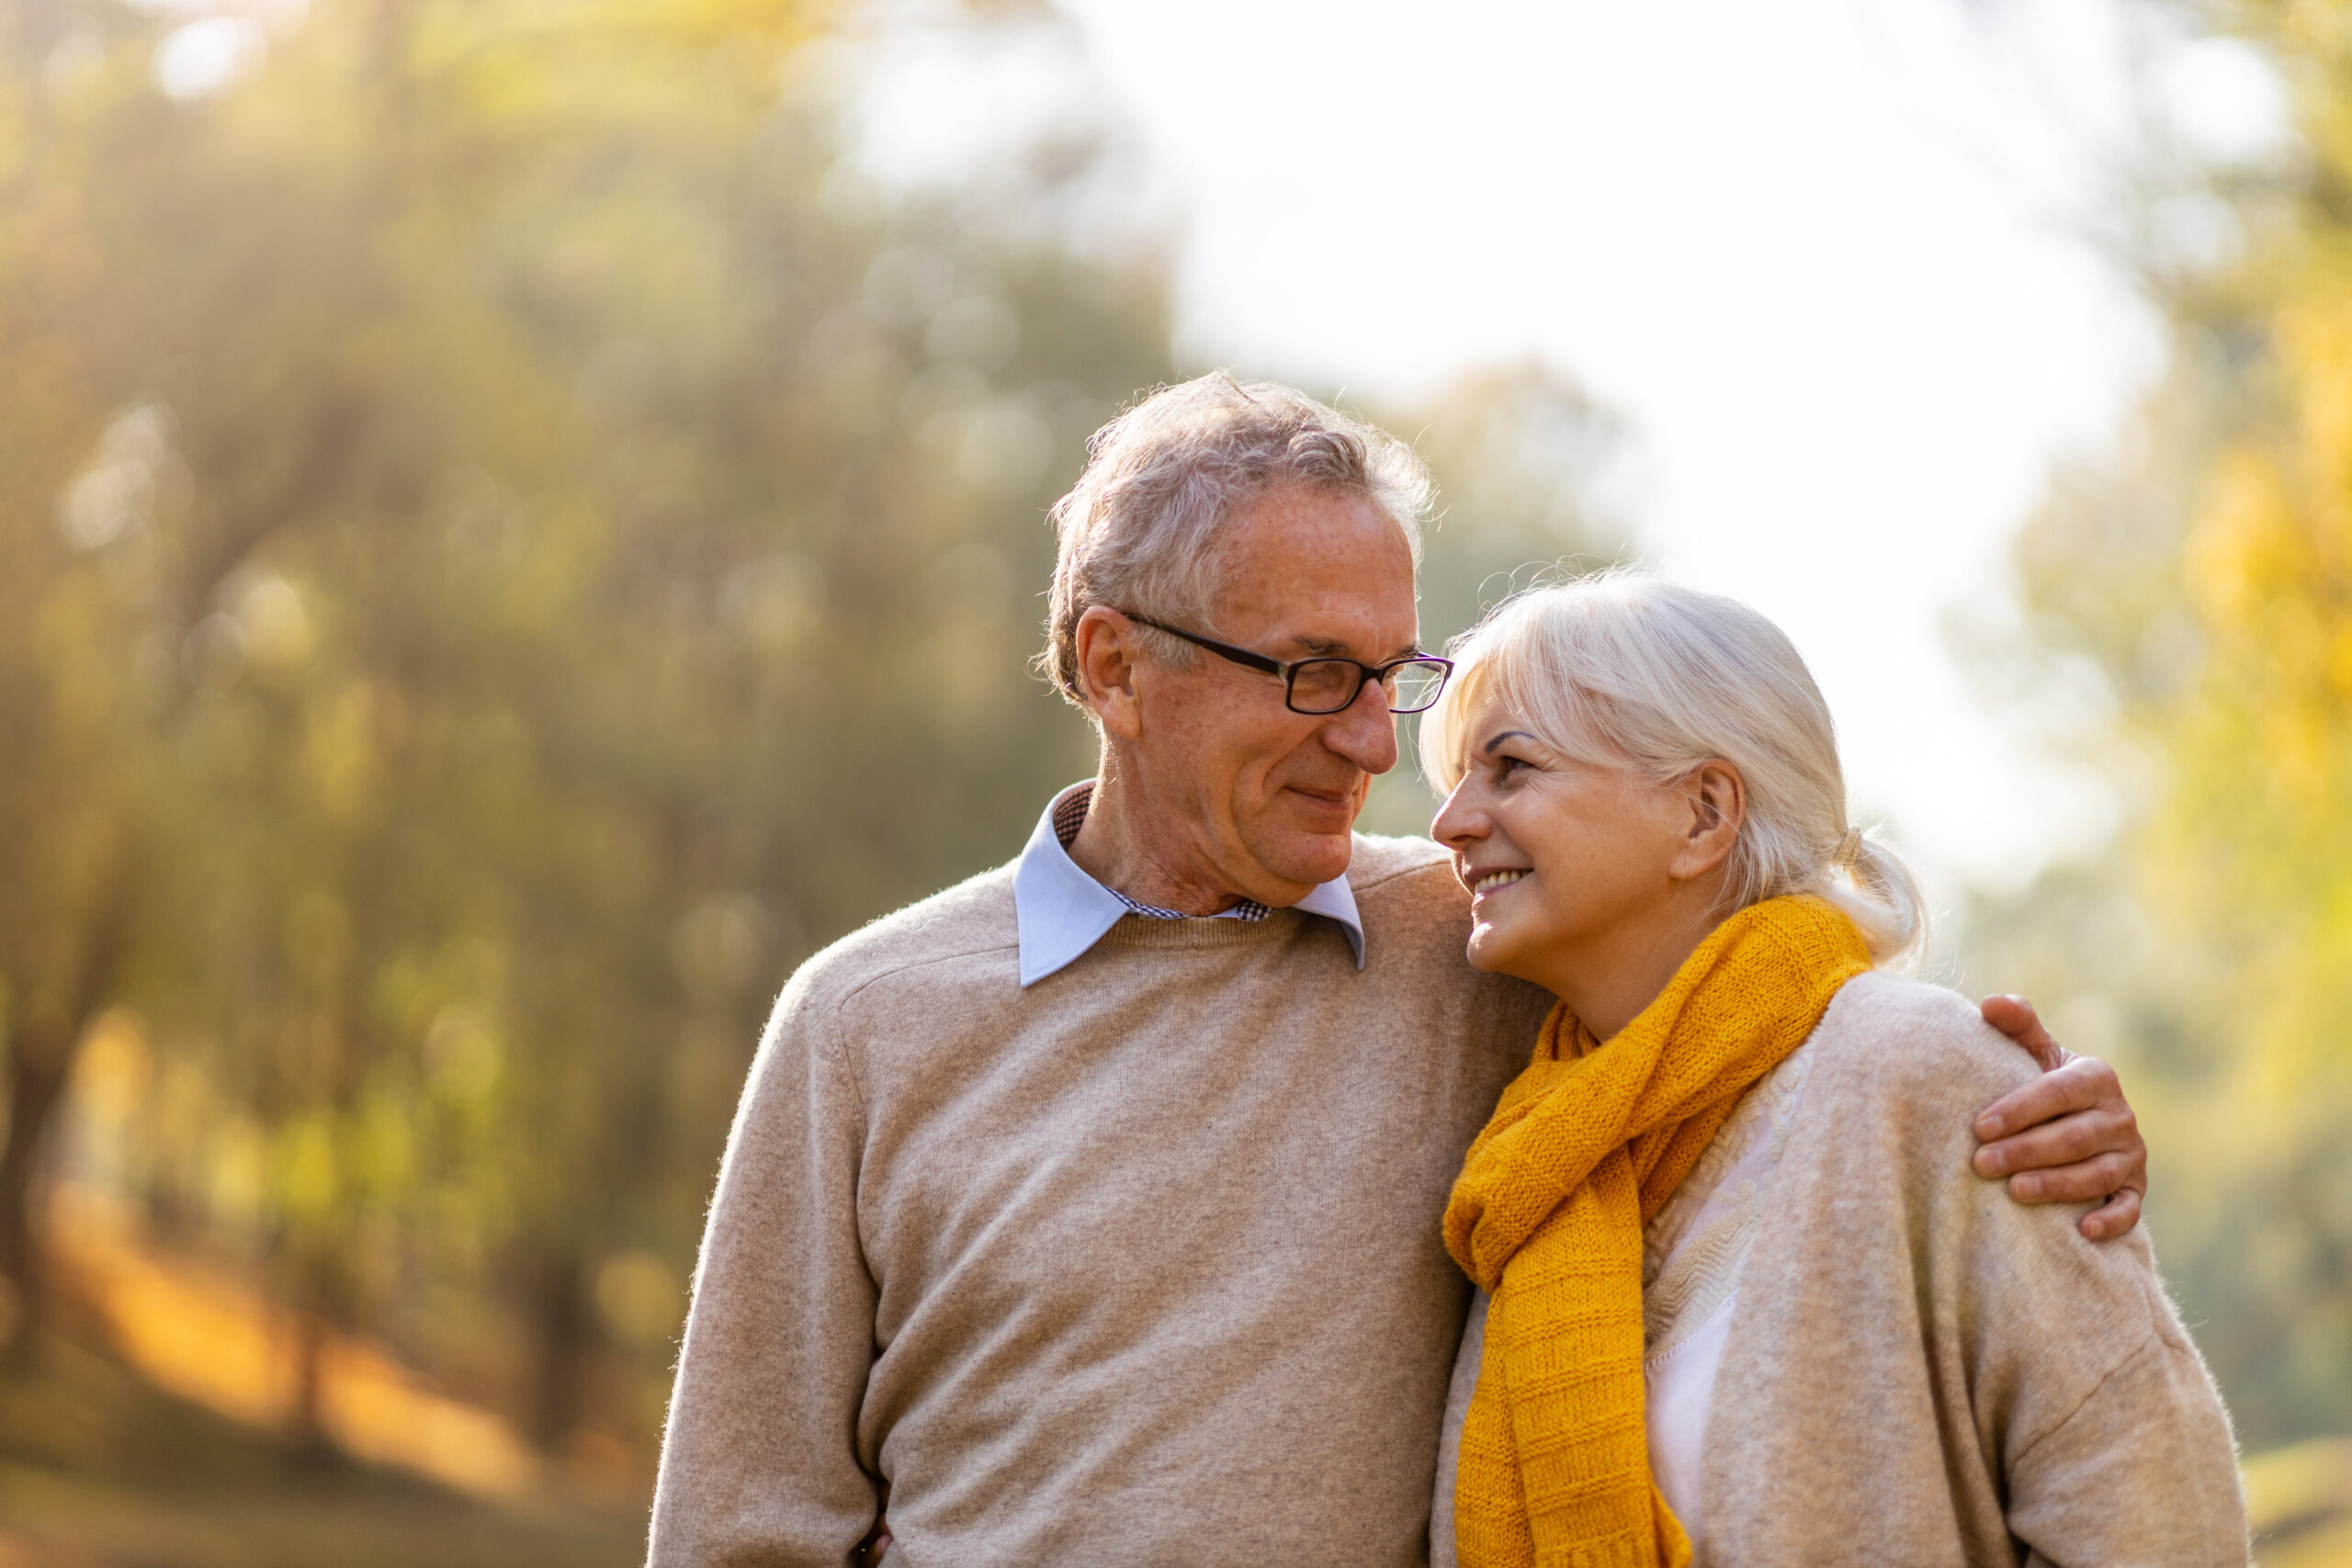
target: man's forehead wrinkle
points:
(1310, 575)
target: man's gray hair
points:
(1140, 531)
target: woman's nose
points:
(1459, 822)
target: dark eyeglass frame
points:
(1365, 673)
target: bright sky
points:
(1827, 256)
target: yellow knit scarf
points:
(1584, 1149)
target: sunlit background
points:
(520, 520)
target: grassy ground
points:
(2301, 1501)
(100, 1470)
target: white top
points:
(1692, 1257)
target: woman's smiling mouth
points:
(1493, 880)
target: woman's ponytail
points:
(1869, 882)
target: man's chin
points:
(1310, 859)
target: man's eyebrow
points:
(1324, 646)
(1488, 748)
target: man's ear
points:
(1108, 657)
(1712, 805)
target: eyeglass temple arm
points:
(1225, 650)
(1276, 667)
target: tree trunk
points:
(42, 1049)
(40, 1055)
(324, 1301)
(307, 1441)
(565, 1337)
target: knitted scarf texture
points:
(1584, 1149)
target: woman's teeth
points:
(1495, 879)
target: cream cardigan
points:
(1920, 1371)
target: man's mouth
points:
(1495, 879)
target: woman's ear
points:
(1713, 803)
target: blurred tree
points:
(539, 546)
(66, 888)
(2205, 579)
(507, 541)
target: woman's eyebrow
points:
(1488, 748)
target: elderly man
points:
(1089, 1210)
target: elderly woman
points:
(1743, 1301)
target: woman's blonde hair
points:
(1625, 671)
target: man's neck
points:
(1128, 846)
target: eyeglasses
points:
(1331, 685)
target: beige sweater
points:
(1920, 1371)
(1139, 1265)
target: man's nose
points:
(1364, 732)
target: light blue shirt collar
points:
(1062, 912)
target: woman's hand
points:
(2067, 1137)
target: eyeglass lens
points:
(1326, 685)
